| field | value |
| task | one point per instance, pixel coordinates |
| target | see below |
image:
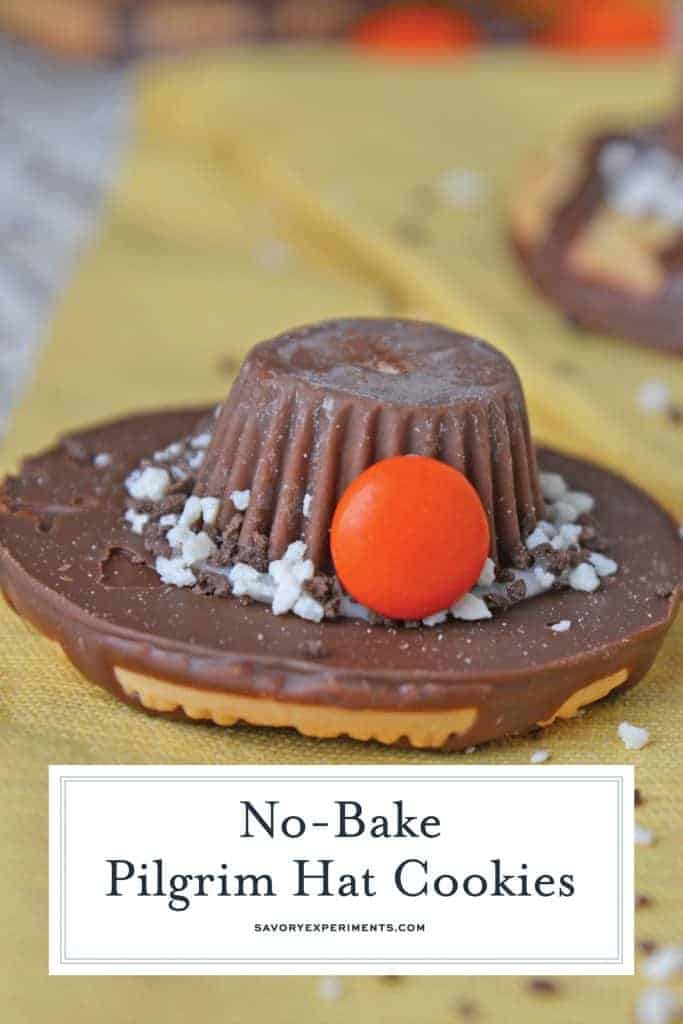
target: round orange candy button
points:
(413, 29)
(409, 537)
(606, 25)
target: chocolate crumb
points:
(520, 557)
(391, 979)
(313, 649)
(646, 946)
(675, 413)
(497, 602)
(254, 551)
(411, 233)
(637, 797)
(466, 1009)
(504, 575)
(516, 591)
(543, 986)
(642, 900)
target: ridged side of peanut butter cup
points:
(313, 408)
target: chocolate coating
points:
(313, 408)
(653, 320)
(69, 565)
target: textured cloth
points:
(269, 190)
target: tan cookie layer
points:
(421, 728)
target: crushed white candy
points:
(282, 586)
(470, 608)
(633, 736)
(210, 507)
(306, 507)
(461, 187)
(150, 484)
(658, 1006)
(330, 988)
(603, 566)
(664, 963)
(584, 577)
(562, 626)
(654, 396)
(201, 440)
(171, 452)
(436, 619)
(240, 499)
(643, 836)
(137, 520)
(102, 460)
(174, 571)
(487, 575)
(553, 486)
(539, 756)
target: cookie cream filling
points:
(181, 531)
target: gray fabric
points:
(61, 129)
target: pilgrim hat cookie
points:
(362, 541)
(598, 226)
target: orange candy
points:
(606, 25)
(415, 29)
(409, 537)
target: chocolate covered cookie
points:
(182, 559)
(598, 227)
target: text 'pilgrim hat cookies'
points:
(238, 564)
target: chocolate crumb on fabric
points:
(643, 900)
(543, 986)
(646, 946)
(637, 797)
(314, 649)
(466, 1009)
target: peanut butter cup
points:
(182, 559)
(313, 408)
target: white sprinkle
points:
(247, 581)
(562, 626)
(308, 608)
(470, 608)
(584, 577)
(171, 452)
(436, 619)
(643, 836)
(102, 460)
(544, 579)
(196, 547)
(168, 520)
(174, 571)
(192, 511)
(137, 520)
(150, 484)
(461, 186)
(330, 988)
(654, 396)
(201, 440)
(488, 574)
(633, 736)
(580, 500)
(658, 1006)
(210, 507)
(664, 963)
(567, 537)
(539, 756)
(308, 498)
(240, 499)
(195, 461)
(552, 486)
(564, 512)
(272, 255)
(603, 566)
(536, 538)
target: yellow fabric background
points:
(324, 152)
